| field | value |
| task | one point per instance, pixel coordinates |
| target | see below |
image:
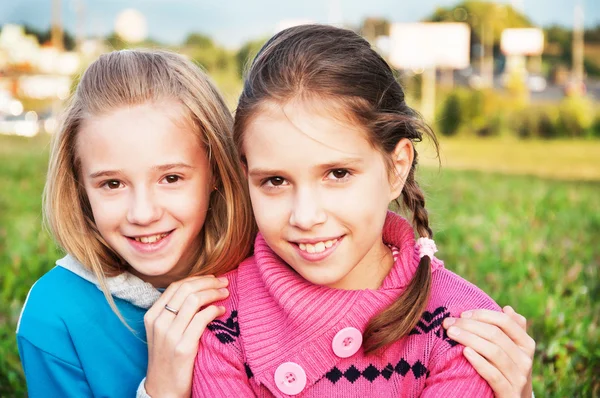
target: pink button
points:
(290, 378)
(347, 342)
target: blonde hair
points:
(129, 78)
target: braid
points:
(414, 199)
(400, 318)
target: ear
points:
(402, 159)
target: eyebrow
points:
(342, 163)
(160, 168)
(338, 164)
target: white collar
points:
(125, 286)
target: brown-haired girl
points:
(143, 189)
(339, 298)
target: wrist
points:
(155, 390)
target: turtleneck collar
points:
(283, 317)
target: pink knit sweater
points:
(281, 334)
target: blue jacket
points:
(72, 344)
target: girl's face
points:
(148, 181)
(320, 193)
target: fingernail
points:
(224, 291)
(508, 308)
(223, 280)
(223, 309)
(448, 322)
(453, 331)
(466, 314)
(468, 351)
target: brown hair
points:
(128, 78)
(324, 62)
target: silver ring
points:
(171, 309)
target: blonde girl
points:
(143, 190)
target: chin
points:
(323, 280)
(152, 269)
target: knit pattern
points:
(275, 316)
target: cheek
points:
(191, 204)
(269, 211)
(107, 213)
(362, 199)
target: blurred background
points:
(512, 89)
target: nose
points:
(307, 211)
(143, 208)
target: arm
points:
(50, 376)
(173, 338)
(498, 347)
(220, 370)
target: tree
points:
(208, 54)
(198, 40)
(115, 42)
(373, 27)
(489, 17)
(247, 53)
(43, 36)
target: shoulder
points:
(54, 299)
(456, 294)
(62, 305)
(225, 330)
(55, 295)
(68, 335)
(450, 296)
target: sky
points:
(234, 22)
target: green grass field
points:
(527, 241)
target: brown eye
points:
(171, 179)
(113, 184)
(276, 181)
(339, 173)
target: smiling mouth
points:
(317, 247)
(150, 238)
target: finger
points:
(515, 316)
(495, 378)
(182, 290)
(192, 305)
(191, 337)
(507, 324)
(169, 326)
(188, 284)
(164, 298)
(492, 352)
(496, 336)
(155, 310)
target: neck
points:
(370, 271)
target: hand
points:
(173, 339)
(498, 347)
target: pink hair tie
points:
(426, 247)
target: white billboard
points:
(430, 45)
(522, 41)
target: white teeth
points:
(317, 247)
(150, 239)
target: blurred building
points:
(32, 71)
